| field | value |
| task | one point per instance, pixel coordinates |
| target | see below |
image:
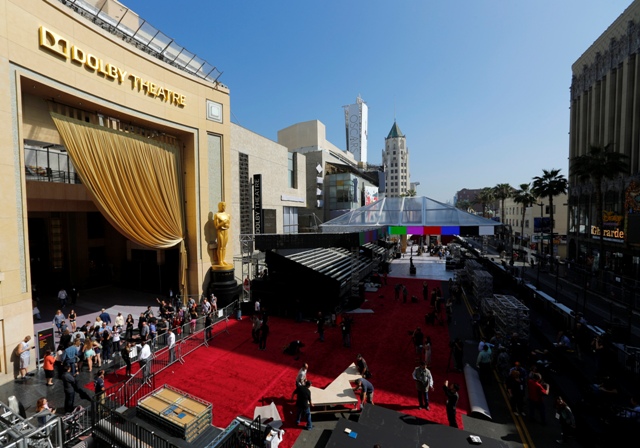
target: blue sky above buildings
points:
(480, 88)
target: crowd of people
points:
(94, 344)
(438, 307)
(507, 356)
(364, 387)
(498, 353)
(99, 342)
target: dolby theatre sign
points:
(60, 46)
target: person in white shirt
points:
(424, 382)
(115, 338)
(301, 379)
(257, 306)
(62, 297)
(119, 320)
(171, 342)
(78, 335)
(24, 353)
(144, 360)
(214, 304)
(206, 306)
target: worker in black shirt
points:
(451, 391)
(362, 367)
(303, 403)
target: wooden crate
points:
(176, 412)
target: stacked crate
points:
(454, 249)
(472, 265)
(511, 316)
(481, 284)
(460, 276)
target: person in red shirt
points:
(537, 391)
(49, 361)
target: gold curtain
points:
(134, 181)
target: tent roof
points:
(406, 212)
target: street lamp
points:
(541, 238)
(509, 245)
(557, 262)
(586, 286)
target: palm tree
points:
(549, 185)
(408, 194)
(463, 204)
(500, 193)
(526, 199)
(599, 163)
(485, 197)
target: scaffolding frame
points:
(250, 263)
(481, 280)
(511, 315)
(18, 432)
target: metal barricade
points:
(110, 427)
(40, 430)
(136, 386)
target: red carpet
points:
(234, 375)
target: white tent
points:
(412, 213)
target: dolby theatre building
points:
(114, 144)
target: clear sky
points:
(480, 88)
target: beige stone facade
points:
(513, 217)
(395, 158)
(605, 93)
(35, 71)
(335, 182)
(283, 189)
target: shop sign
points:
(542, 225)
(613, 225)
(612, 234)
(258, 216)
(62, 47)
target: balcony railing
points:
(49, 165)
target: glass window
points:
(292, 169)
(290, 220)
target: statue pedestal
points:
(224, 285)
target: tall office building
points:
(395, 158)
(605, 93)
(356, 120)
(334, 183)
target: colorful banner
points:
(444, 230)
(370, 195)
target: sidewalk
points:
(572, 373)
(89, 305)
(597, 309)
(504, 425)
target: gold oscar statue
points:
(222, 222)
